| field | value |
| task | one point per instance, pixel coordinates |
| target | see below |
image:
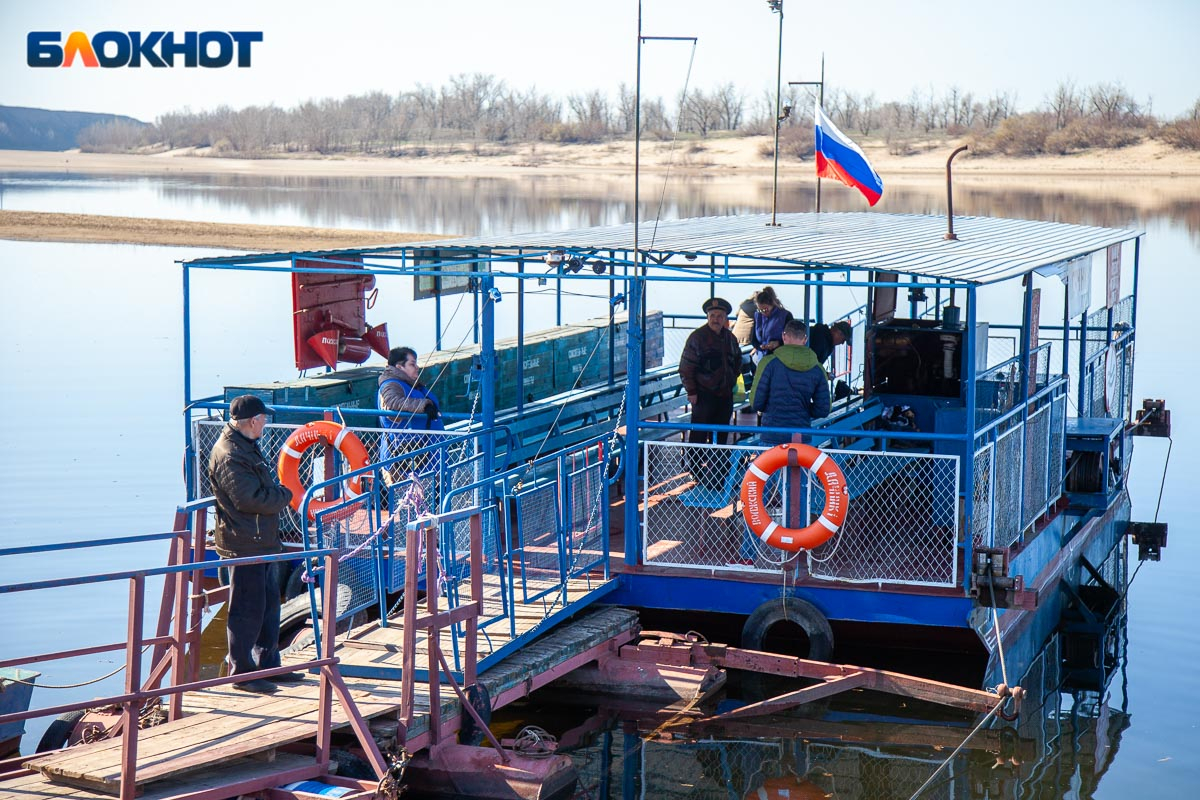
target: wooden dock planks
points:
(233, 725)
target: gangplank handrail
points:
(132, 699)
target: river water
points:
(91, 424)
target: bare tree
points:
(1066, 103)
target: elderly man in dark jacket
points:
(249, 498)
(709, 367)
(790, 388)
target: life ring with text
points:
(837, 498)
(327, 433)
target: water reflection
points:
(481, 205)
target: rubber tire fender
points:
(798, 612)
(56, 736)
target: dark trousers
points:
(710, 410)
(253, 624)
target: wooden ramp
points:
(373, 651)
(225, 725)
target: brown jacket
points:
(710, 362)
(249, 497)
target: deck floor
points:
(223, 726)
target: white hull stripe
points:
(824, 520)
(762, 476)
(765, 535)
(293, 453)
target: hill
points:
(43, 129)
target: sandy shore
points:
(39, 226)
(710, 157)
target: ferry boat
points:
(976, 459)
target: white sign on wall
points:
(1078, 277)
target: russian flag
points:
(841, 159)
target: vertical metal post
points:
(1084, 387)
(968, 376)
(133, 682)
(179, 672)
(633, 366)
(326, 651)
(189, 449)
(433, 644)
(821, 98)
(1026, 329)
(196, 581)
(487, 358)
(777, 6)
(637, 149)
(472, 648)
(408, 654)
(521, 341)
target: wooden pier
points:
(227, 733)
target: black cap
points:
(247, 406)
(714, 303)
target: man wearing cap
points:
(249, 498)
(823, 338)
(709, 368)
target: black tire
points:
(56, 736)
(756, 633)
(815, 644)
(480, 699)
(350, 765)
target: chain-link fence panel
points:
(349, 528)
(1006, 483)
(1097, 332)
(981, 498)
(587, 519)
(1056, 466)
(996, 392)
(1000, 349)
(714, 769)
(902, 523)
(847, 771)
(1037, 454)
(538, 551)
(691, 512)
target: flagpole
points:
(820, 102)
(776, 6)
(821, 99)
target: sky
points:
(314, 50)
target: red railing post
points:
(199, 524)
(133, 680)
(328, 643)
(408, 658)
(433, 632)
(181, 580)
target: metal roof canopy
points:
(987, 250)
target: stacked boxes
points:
(555, 360)
(349, 388)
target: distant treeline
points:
(483, 109)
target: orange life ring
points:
(837, 498)
(328, 433)
(792, 788)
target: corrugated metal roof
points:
(987, 249)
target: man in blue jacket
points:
(790, 388)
